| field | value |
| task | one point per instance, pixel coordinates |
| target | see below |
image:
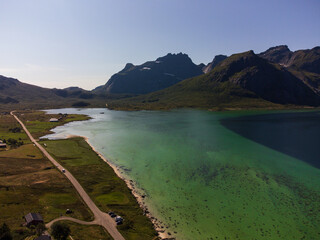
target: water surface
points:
(206, 175)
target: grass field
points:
(81, 232)
(108, 191)
(29, 183)
(8, 122)
(38, 122)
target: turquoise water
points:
(205, 178)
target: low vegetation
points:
(38, 122)
(107, 190)
(219, 96)
(8, 129)
(60, 231)
(5, 232)
(81, 232)
(30, 183)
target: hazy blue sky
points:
(61, 43)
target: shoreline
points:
(157, 224)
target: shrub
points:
(5, 233)
(60, 231)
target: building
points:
(54, 120)
(2, 145)
(43, 237)
(33, 219)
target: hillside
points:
(275, 78)
(17, 95)
(304, 64)
(151, 76)
(242, 80)
(305, 60)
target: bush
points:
(60, 231)
(15, 130)
(5, 233)
(40, 228)
(13, 142)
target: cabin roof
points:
(33, 217)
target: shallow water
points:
(206, 175)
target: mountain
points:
(305, 60)
(304, 64)
(274, 78)
(279, 54)
(217, 59)
(17, 95)
(75, 92)
(241, 80)
(20, 92)
(151, 76)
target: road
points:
(63, 218)
(100, 218)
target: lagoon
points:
(215, 175)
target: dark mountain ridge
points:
(243, 80)
(151, 76)
(269, 81)
(306, 60)
(304, 64)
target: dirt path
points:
(100, 218)
(49, 224)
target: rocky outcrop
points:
(217, 59)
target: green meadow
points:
(30, 183)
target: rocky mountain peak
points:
(278, 54)
(174, 57)
(216, 60)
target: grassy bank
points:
(107, 190)
(30, 183)
(38, 124)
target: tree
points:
(5, 232)
(40, 228)
(60, 231)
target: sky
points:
(63, 43)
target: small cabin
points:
(54, 120)
(33, 219)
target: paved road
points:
(100, 218)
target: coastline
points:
(157, 224)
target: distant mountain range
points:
(15, 94)
(151, 76)
(273, 78)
